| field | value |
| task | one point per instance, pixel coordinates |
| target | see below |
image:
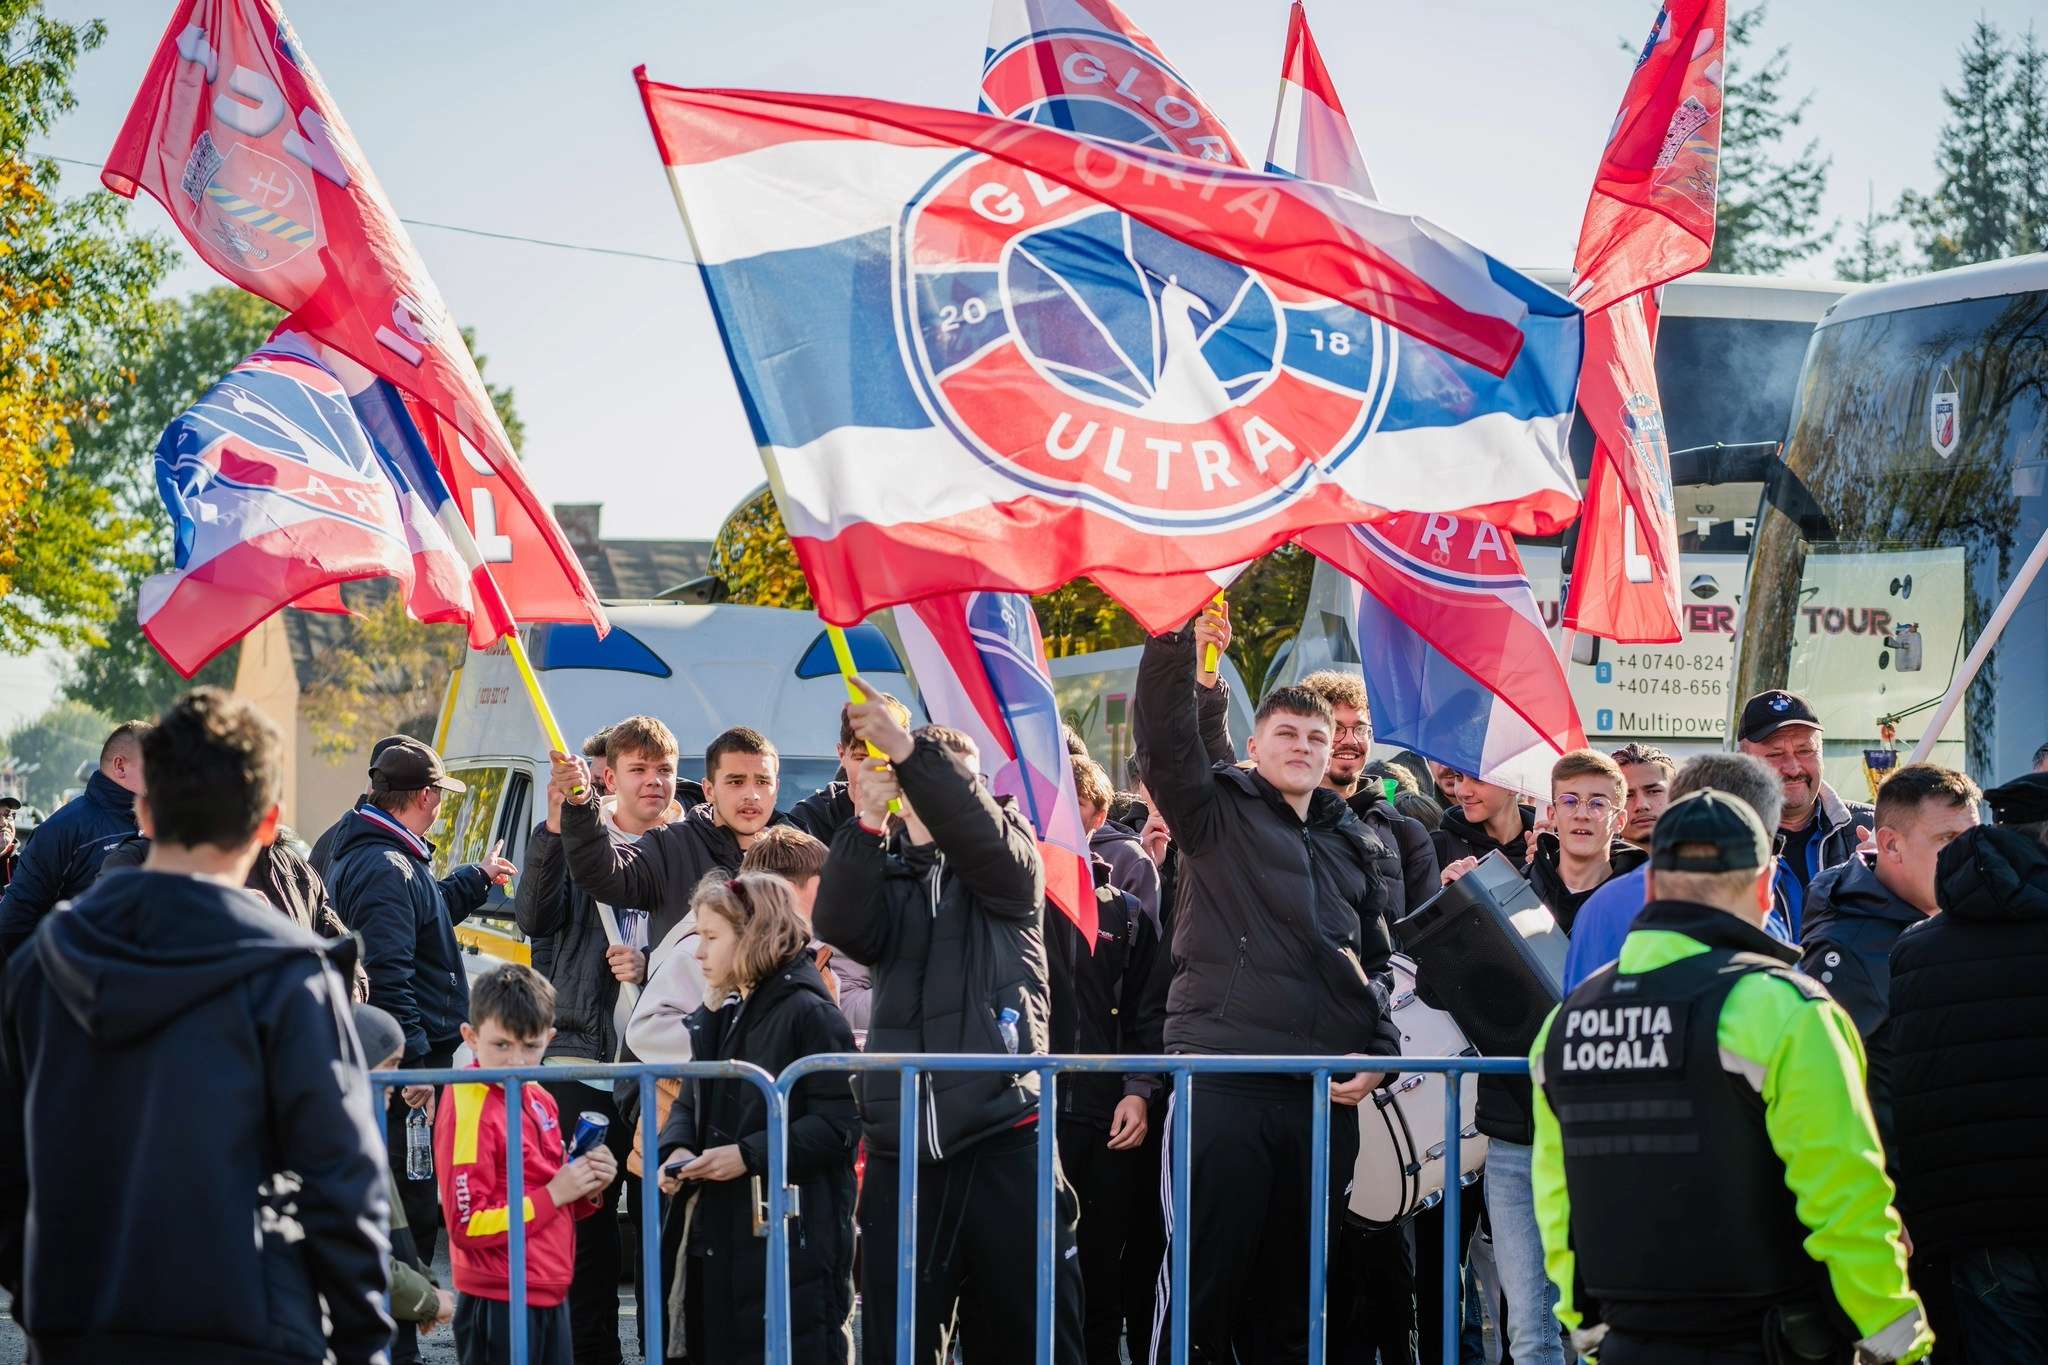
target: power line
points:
(470, 231)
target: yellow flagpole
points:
(843, 652)
(1210, 662)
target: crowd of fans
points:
(191, 1166)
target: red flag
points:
(1650, 220)
(235, 135)
(1651, 215)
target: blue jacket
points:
(63, 856)
(1604, 921)
(190, 1161)
(383, 889)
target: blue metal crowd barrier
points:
(1182, 1070)
(515, 1078)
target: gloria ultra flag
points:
(982, 353)
(1456, 659)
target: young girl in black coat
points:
(766, 1004)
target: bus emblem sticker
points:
(1944, 420)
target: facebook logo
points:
(1603, 719)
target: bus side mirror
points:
(1905, 644)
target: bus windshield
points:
(1911, 487)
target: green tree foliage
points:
(2028, 152)
(752, 556)
(386, 675)
(1267, 603)
(57, 741)
(75, 290)
(1769, 214)
(1969, 217)
(1081, 618)
(1871, 255)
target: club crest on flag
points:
(1107, 86)
(1643, 419)
(1089, 357)
(1943, 426)
(253, 206)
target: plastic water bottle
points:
(419, 1146)
(1006, 1024)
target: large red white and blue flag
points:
(1082, 65)
(1649, 220)
(986, 353)
(1457, 662)
(297, 472)
(234, 133)
(979, 663)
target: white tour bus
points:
(1914, 480)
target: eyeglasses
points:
(1361, 730)
(1571, 804)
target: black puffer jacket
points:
(953, 934)
(1408, 869)
(788, 1016)
(569, 948)
(1281, 924)
(659, 871)
(145, 1213)
(1097, 999)
(1852, 921)
(1969, 1008)
(824, 812)
(384, 890)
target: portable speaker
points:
(1488, 953)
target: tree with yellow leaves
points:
(75, 292)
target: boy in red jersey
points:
(511, 1012)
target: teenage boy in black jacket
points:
(199, 1176)
(947, 908)
(1280, 945)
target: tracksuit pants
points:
(1106, 1185)
(483, 1333)
(1249, 1219)
(594, 1293)
(977, 1256)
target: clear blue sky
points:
(520, 117)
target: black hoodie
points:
(189, 1157)
(1458, 838)
(1969, 1008)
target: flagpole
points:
(843, 653)
(1993, 628)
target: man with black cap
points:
(1968, 1010)
(1819, 829)
(323, 847)
(1708, 1177)
(383, 887)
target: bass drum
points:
(1400, 1169)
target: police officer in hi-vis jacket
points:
(1708, 1176)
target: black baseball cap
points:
(1766, 713)
(2022, 801)
(10, 802)
(1709, 831)
(403, 764)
